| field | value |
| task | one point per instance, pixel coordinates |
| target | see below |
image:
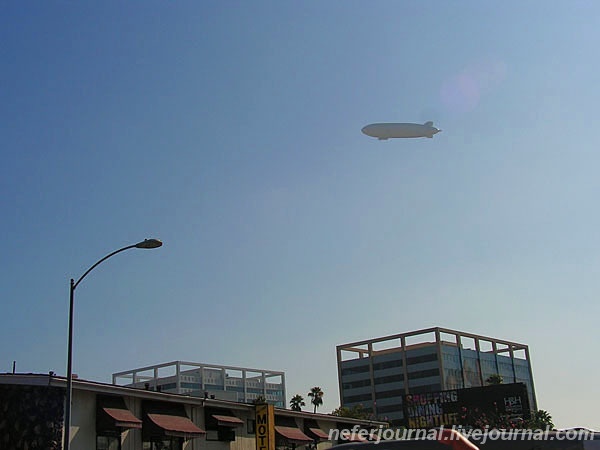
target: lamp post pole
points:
(148, 244)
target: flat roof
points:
(351, 346)
(36, 379)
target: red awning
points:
(293, 434)
(319, 433)
(351, 437)
(177, 426)
(123, 418)
(228, 421)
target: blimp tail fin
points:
(428, 124)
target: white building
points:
(238, 384)
(109, 417)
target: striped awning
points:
(319, 433)
(228, 421)
(292, 434)
(123, 418)
(176, 426)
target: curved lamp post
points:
(146, 243)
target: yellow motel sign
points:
(265, 427)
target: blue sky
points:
(231, 131)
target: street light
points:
(146, 243)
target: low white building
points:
(110, 417)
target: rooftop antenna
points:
(14, 367)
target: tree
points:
(297, 402)
(355, 412)
(540, 419)
(316, 395)
(493, 419)
(476, 418)
(495, 379)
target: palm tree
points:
(495, 379)
(297, 402)
(316, 395)
(539, 420)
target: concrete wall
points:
(83, 420)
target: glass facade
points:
(377, 379)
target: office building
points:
(377, 373)
(238, 384)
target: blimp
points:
(383, 131)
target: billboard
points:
(433, 409)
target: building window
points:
(220, 433)
(423, 374)
(164, 444)
(421, 359)
(389, 379)
(355, 369)
(221, 424)
(387, 364)
(357, 398)
(358, 384)
(389, 409)
(251, 425)
(108, 442)
(390, 394)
